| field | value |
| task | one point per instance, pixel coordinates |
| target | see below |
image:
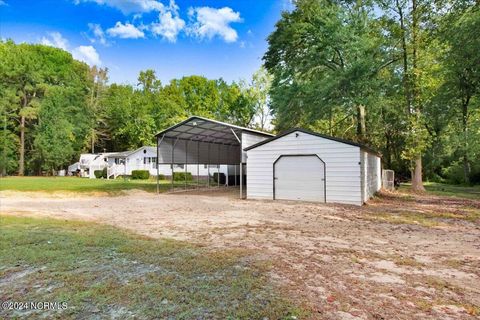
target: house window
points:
(148, 160)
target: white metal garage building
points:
(303, 165)
(295, 165)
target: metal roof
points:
(207, 130)
(361, 146)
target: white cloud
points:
(169, 25)
(211, 22)
(55, 39)
(129, 6)
(125, 31)
(87, 54)
(3, 3)
(98, 34)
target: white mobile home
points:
(303, 165)
(145, 158)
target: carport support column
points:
(208, 166)
(198, 164)
(158, 166)
(241, 180)
(186, 161)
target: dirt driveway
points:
(399, 257)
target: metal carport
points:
(205, 141)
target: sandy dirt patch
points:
(384, 260)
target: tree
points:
(27, 71)
(324, 57)
(462, 61)
(261, 84)
(54, 141)
(98, 78)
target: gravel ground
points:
(401, 256)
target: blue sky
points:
(222, 38)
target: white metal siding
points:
(342, 164)
(249, 139)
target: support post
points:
(218, 166)
(235, 175)
(171, 164)
(198, 164)
(186, 161)
(208, 165)
(241, 180)
(156, 162)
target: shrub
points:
(454, 173)
(100, 173)
(161, 177)
(140, 174)
(180, 176)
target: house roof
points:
(125, 154)
(197, 128)
(361, 146)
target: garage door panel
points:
(300, 178)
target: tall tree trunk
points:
(466, 162)
(417, 180)
(361, 127)
(21, 161)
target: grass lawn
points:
(103, 272)
(75, 184)
(440, 189)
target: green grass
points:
(103, 272)
(440, 189)
(75, 184)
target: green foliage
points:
(412, 65)
(140, 174)
(68, 108)
(99, 174)
(182, 176)
(31, 77)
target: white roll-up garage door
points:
(299, 177)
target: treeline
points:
(400, 75)
(53, 107)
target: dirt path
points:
(400, 257)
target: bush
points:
(140, 174)
(180, 176)
(100, 173)
(161, 177)
(454, 173)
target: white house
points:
(303, 165)
(144, 158)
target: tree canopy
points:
(402, 76)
